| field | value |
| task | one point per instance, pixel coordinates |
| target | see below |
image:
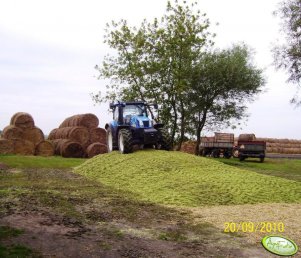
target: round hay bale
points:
(12, 132)
(95, 149)
(22, 120)
(86, 120)
(68, 148)
(6, 146)
(55, 144)
(71, 149)
(78, 134)
(98, 135)
(34, 135)
(23, 147)
(247, 137)
(44, 148)
(51, 135)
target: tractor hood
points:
(141, 122)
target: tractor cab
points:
(131, 125)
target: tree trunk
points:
(201, 123)
(182, 129)
(174, 127)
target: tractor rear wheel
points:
(164, 143)
(125, 142)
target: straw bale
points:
(95, 149)
(55, 144)
(87, 120)
(68, 148)
(12, 132)
(98, 135)
(71, 149)
(44, 148)
(51, 135)
(23, 147)
(247, 137)
(78, 134)
(34, 135)
(6, 146)
(22, 120)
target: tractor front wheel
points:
(125, 143)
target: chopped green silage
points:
(175, 178)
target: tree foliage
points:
(288, 55)
(221, 85)
(169, 61)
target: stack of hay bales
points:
(79, 136)
(285, 146)
(24, 138)
(189, 147)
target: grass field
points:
(18, 161)
(174, 178)
(285, 168)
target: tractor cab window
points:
(134, 110)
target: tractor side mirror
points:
(111, 105)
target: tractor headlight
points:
(141, 123)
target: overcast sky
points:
(48, 50)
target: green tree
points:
(224, 81)
(155, 62)
(288, 55)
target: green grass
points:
(16, 251)
(175, 178)
(285, 168)
(16, 161)
(6, 232)
(13, 251)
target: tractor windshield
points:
(134, 110)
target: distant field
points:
(175, 178)
(18, 161)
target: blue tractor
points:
(132, 126)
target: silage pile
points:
(24, 138)
(79, 136)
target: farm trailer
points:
(249, 147)
(217, 145)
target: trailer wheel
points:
(261, 159)
(215, 153)
(202, 152)
(241, 158)
(235, 153)
(227, 155)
